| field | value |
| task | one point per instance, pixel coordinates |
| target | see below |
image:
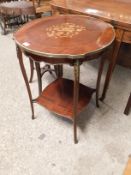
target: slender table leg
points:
(101, 66)
(58, 70)
(39, 76)
(20, 58)
(112, 63)
(128, 106)
(76, 97)
(31, 70)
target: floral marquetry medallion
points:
(64, 30)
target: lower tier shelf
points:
(58, 97)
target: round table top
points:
(25, 7)
(65, 36)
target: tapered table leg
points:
(101, 66)
(31, 70)
(39, 76)
(76, 97)
(112, 63)
(20, 58)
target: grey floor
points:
(44, 146)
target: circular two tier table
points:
(66, 39)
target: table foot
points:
(128, 106)
(101, 66)
(75, 131)
(33, 117)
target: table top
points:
(65, 36)
(25, 7)
(116, 11)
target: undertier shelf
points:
(58, 97)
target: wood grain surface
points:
(65, 36)
(58, 97)
(117, 12)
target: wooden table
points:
(64, 40)
(15, 9)
(116, 12)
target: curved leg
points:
(75, 98)
(128, 106)
(31, 70)
(20, 58)
(101, 66)
(112, 64)
(38, 70)
(46, 68)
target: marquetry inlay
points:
(64, 30)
